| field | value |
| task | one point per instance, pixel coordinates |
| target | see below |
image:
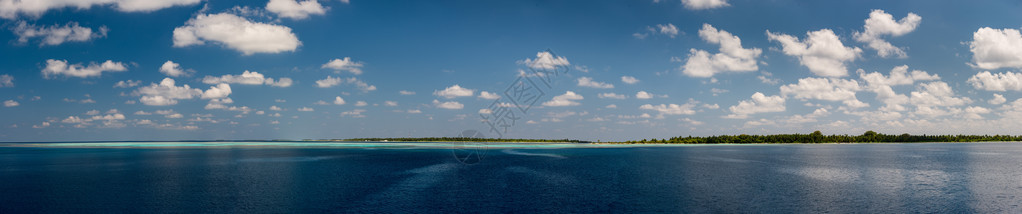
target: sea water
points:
(276, 177)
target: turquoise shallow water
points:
(299, 144)
(396, 177)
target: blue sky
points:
(117, 70)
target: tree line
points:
(818, 137)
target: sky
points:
(112, 70)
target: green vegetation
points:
(818, 137)
(458, 139)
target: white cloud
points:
(333, 81)
(143, 113)
(328, 82)
(997, 82)
(822, 52)
(167, 93)
(704, 4)
(218, 91)
(642, 95)
(390, 103)
(629, 79)
(306, 109)
(732, 57)
(174, 116)
(936, 94)
(236, 33)
(454, 91)
(127, 83)
(899, 76)
(339, 101)
(588, 82)
(759, 104)
(612, 96)
(996, 48)
(172, 69)
(403, 92)
(276, 108)
(357, 113)
(11, 103)
(61, 67)
(488, 95)
(546, 61)
(566, 99)
(671, 109)
(664, 29)
(881, 24)
(293, 9)
(57, 34)
(361, 103)
(825, 89)
(448, 104)
(10, 9)
(249, 78)
(345, 64)
(997, 100)
(611, 106)
(6, 81)
(414, 111)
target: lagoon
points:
(274, 177)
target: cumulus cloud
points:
(236, 33)
(704, 4)
(11, 9)
(642, 95)
(448, 104)
(11, 103)
(588, 82)
(248, 78)
(899, 76)
(6, 81)
(663, 29)
(758, 104)
(997, 82)
(671, 109)
(936, 94)
(612, 96)
(403, 92)
(488, 95)
(996, 48)
(218, 91)
(127, 83)
(339, 101)
(546, 61)
(997, 100)
(62, 68)
(306, 109)
(881, 24)
(732, 57)
(454, 91)
(629, 79)
(172, 69)
(822, 51)
(345, 64)
(293, 9)
(167, 93)
(567, 99)
(825, 89)
(333, 81)
(56, 34)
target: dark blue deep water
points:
(859, 178)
